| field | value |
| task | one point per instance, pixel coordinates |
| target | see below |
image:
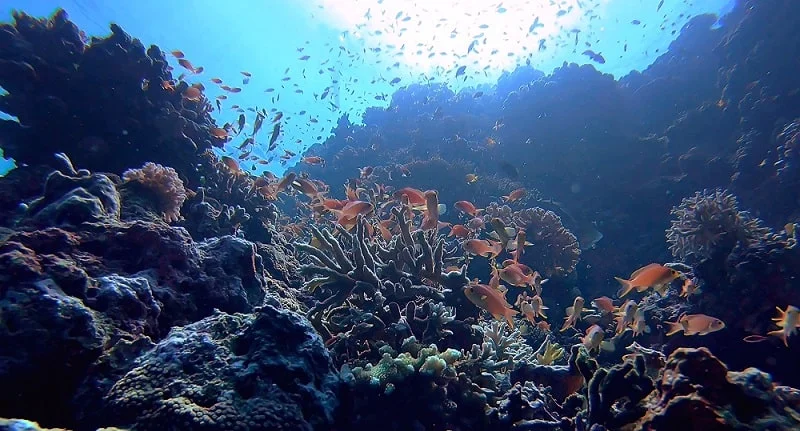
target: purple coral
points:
(711, 222)
(165, 183)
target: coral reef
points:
(46, 61)
(80, 284)
(710, 222)
(371, 275)
(262, 371)
(554, 250)
(695, 388)
(165, 185)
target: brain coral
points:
(165, 184)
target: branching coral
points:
(369, 274)
(710, 222)
(166, 186)
(554, 250)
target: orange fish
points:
(604, 304)
(313, 160)
(232, 164)
(219, 133)
(639, 323)
(467, 208)
(593, 338)
(515, 195)
(573, 314)
(788, 320)
(491, 300)
(695, 324)
(431, 218)
(459, 231)
(193, 94)
(355, 208)
(216, 80)
(383, 228)
(480, 247)
(476, 224)
(286, 181)
(415, 197)
(654, 275)
(306, 187)
(521, 243)
(625, 316)
(471, 178)
(516, 276)
(177, 54)
(532, 308)
(186, 64)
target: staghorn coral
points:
(370, 274)
(710, 222)
(166, 186)
(554, 251)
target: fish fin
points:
(626, 287)
(511, 232)
(780, 334)
(494, 235)
(674, 327)
(643, 288)
(542, 314)
(570, 310)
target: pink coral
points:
(165, 183)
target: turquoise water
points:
(357, 48)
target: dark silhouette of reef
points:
(156, 289)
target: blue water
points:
(356, 48)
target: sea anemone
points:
(165, 184)
(710, 222)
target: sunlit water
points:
(327, 58)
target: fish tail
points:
(674, 327)
(626, 287)
(780, 334)
(541, 313)
(569, 322)
(510, 313)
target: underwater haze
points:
(354, 50)
(560, 215)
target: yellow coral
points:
(552, 353)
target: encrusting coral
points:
(164, 183)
